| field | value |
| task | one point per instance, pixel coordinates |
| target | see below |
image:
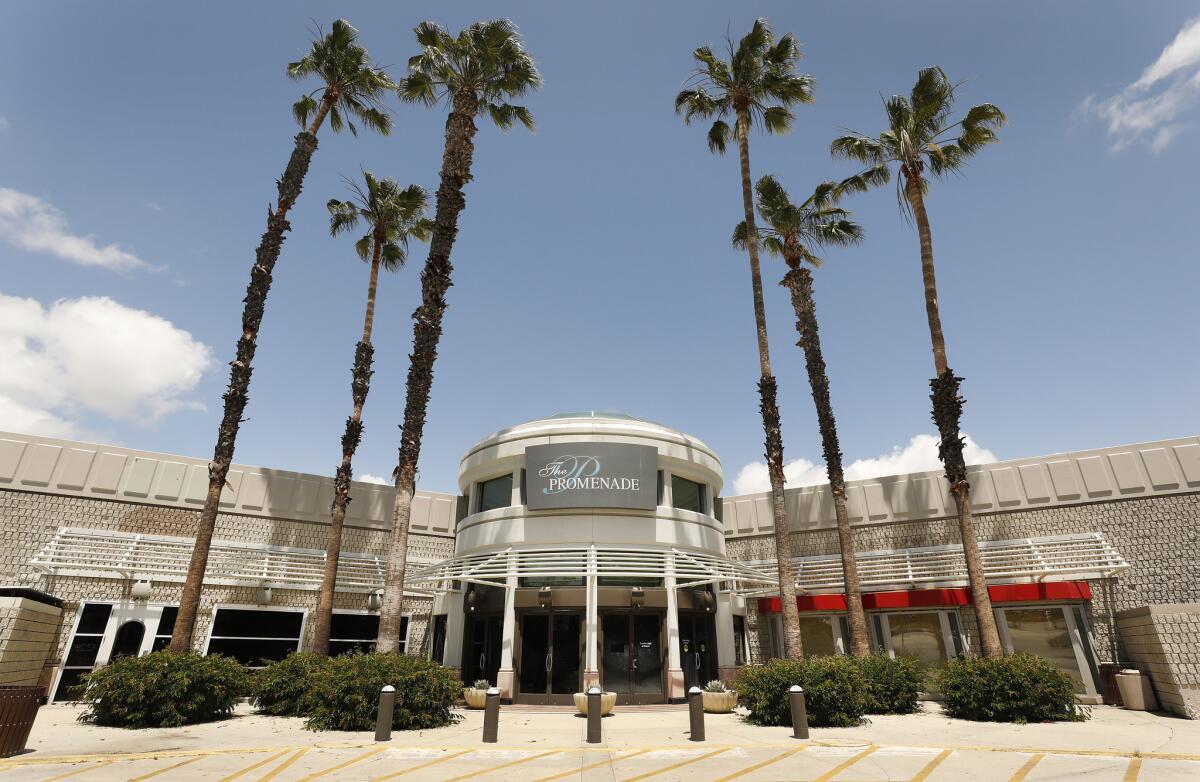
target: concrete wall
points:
(1164, 641)
(28, 630)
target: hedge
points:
(288, 688)
(346, 695)
(835, 691)
(163, 690)
(1017, 688)
(893, 683)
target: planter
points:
(607, 701)
(720, 702)
(476, 699)
(1136, 691)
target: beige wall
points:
(1164, 641)
(28, 632)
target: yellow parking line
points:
(102, 764)
(924, 773)
(1135, 768)
(164, 770)
(1024, 770)
(259, 764)
(764, 763)
(674, 766)
(833, 772)
(275, 771)
(509, 764)
(368, 754)
(421, 766)
(604, 762)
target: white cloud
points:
(32, 224)
(92, 355)
(4, 123)
(369, 478)
(920, 455)
(154, 206)
(1154, 108)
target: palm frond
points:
(718, 137)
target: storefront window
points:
(687, 495)
(85, 646)
(1044, 632)
(255, 637)
(350, 632)
(924, 635)
(496, 493)
(816, 633)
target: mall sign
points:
(591, 475)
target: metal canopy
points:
(690, 568)
(1052, 558)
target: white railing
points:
(1053, 558)
(110, 554)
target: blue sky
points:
(593, 267)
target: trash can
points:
(1108, 684)
(1136, 690)
(18, 707)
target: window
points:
(628, 581)
(552, 581)
(687, 495)
(254, 637)
(1053, 632)
(817, 635)
(926, 635)
(496, 493)
(439, 639)
(166, 626)
(740, 649)
(353, 632)
(85, 646)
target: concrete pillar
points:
(674, 667)
(726, 657)
(591, 645)
(504, 677)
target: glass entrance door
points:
(697, 651)
(632, 659)
(551, 658)
(481, 642)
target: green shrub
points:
(287, 688)
(163, 690)
(1017, 688)
(893, 684)
(347, 694)
(835, 691)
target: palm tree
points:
(392, 215)
(791, 232)
(921, 134)
(757, 84)
(352, 87)
(475, 74)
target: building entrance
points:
(697, 650)
(482, 643)
(551, 657)
(632, 659)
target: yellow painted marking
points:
(164, 770)
(509, 764)
(1135, 768)
(1024, 770)
(102, 764)
(421, 766)
(276, 771)
(674, 766)
(604, 762)
(833, 772)
(368, 754)
(259, 764)
(763, 764)
(924, 773)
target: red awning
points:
(938, 598)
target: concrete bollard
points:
(491, 715)
(695, 699)
(799, 712)
(383, 718)
(593, 714)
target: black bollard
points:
(593, 714)
(799, 712)
(491, 715)
(383, 718)
(695, 699)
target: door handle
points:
(549, 662)
(697, 661)
(483, 661)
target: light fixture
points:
(373, 601)
(472, 600)
(140, 590)
(637, 597)
(264, 595)
(545, 597)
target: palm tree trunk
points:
(947, 411)
(360, 385)
(427, 331)
(799, 281)
(793, 647)
(239, 381)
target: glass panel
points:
(84, 650)
(877, 643)
(739, 640)
(94, 618)
(816, 633)
(919, 635)
(404, 635)
(617, 658)
(439, 638)
(1044, 632)
(161, 642)
(535, 645)
(687, 495)
(248, 623)
(166, 623)
(128, 642)
(629, 581)
(252, 651)
(496, 493)
(552, 581)
(647, 634)
(955, 632)
(346, 647)
(69, 688)
(564, 678)
(354, 627)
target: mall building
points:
(597, 548)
